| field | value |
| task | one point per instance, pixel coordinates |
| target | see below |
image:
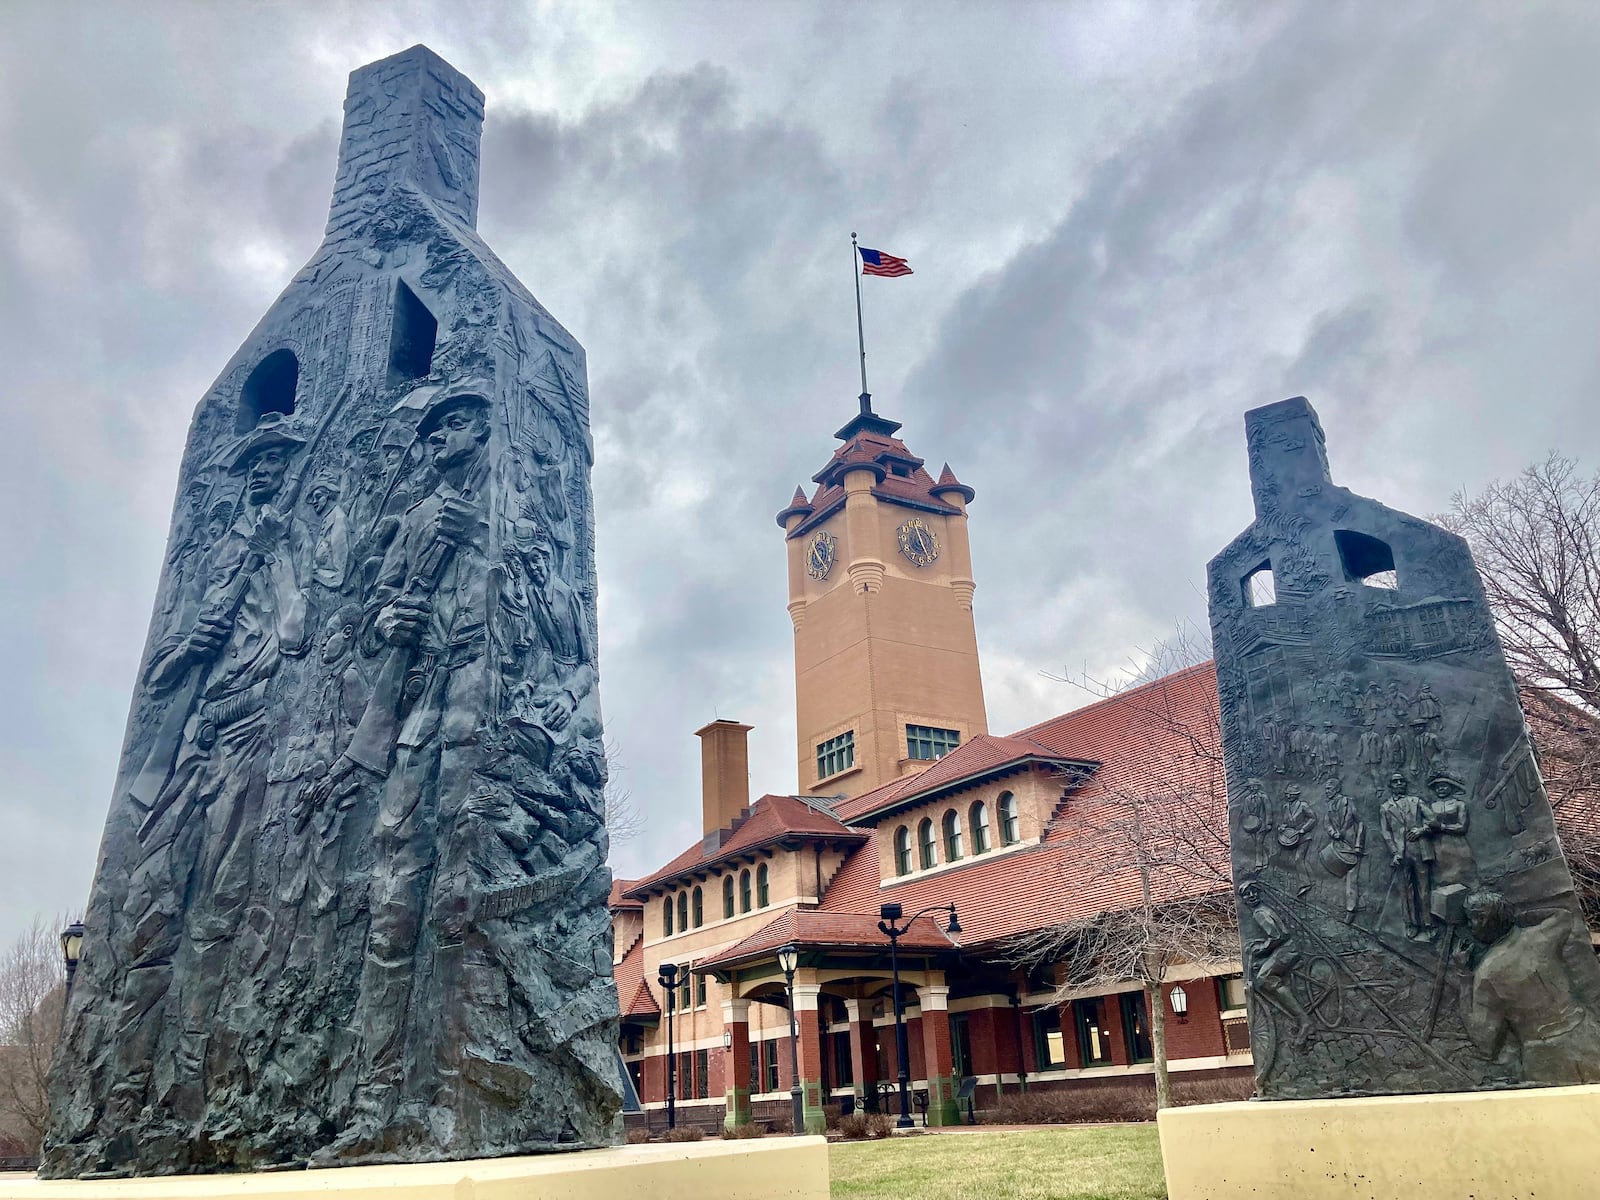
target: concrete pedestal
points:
(770, 1169)
(1519, 1145)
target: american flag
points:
(876, 262)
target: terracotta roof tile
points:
(769, 820)
(618, 900)
(969, 760)
(633, 995)
(883, 454)
(814, 927)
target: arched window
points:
(699, 909)
(902, 851)
(727, 895)
(952, 835)
(1009, 836)
(762, 899)
(926, 844)
(744, 891)
(666, 915)
(979, 816)
(683, 910)
(270, 388)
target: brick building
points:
(906, 798)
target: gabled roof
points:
(870, 447)
(814, 927)
(619, 900)
(770, 821)
(633, 996)
(964, 766)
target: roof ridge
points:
(1117, 698)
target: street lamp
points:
(890, 914)
(668, 978)
(788, 959)
(72, 949)
(1180, 1003)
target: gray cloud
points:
(1128, 224)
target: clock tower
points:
(880, 592)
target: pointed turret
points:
(949, 483)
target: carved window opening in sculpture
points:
(699, 908)
(902, 851)
(727, 896)
(666, 916)
(1367, 560)
(927, 844)
(1260, 589)
(1009, 833)
(762, 897)
(952, 836)
(411, 338)
(269, 389)
(683, 910)
(744, 891)
(979, 816)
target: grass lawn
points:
(1120, 1162)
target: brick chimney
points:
(724, 773)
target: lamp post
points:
(668, 978)
(71, 950)
(788, 959)
(1180, 1003)
(891, 913)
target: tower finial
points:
(866, 404)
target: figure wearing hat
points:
(188, 889)
(418, 732)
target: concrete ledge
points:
(769, 1169)
(1520, 1145)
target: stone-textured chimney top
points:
(724, 773)
(414, 119)
(1288, 453)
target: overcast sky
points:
(1129, 223)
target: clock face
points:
(819, 555)
(918, 543)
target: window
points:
(727, 895)
(902, 851)
(702, 1073)
(1009, 834)
(1230, 993)
(699, 991)
(1260, 591)
(1135, 1027)
(769, 1065)
(762, 898)
(923, 741)
(683, 987)
(844, 1072)
(699, 909)
(753, 1080)
(979, 816)
(1094, 1039)
(685, 1075)
(270, 388)
(1366, 560)
(929, 848)
(666, 916)
(744, 891)
(411, 337)
(836, 754)
(960, 1045)
(952, 836)
(1047, 1044)
(683, 910)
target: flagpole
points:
(861, 337)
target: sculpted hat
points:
(467, 395)
(273, 429)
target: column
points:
(736, 1060)
(863, 1050)
(805, 1018)
(936, 1057)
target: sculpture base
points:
(1488, 1145)
(769, 1169)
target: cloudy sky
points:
(1129, 223)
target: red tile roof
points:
(767, 822)
(968, 761)
(814, 927)
(620, 901)
(633, 995)
(883, 455)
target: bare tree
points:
(624, 821)
(32, 995)
(1536, 540)
(1156, 831)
